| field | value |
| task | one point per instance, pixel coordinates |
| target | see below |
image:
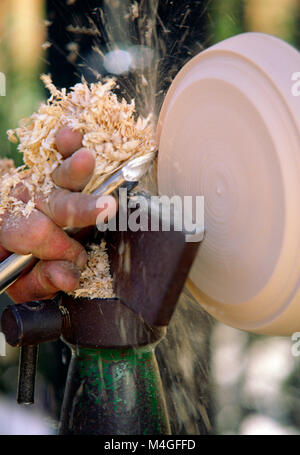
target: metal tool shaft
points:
(12, 267)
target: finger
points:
(72, 209)
(77, 209)
(3, 253)
(44, 281)
(68, 141)
(75, 172)
(38, 235)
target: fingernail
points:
(66, 277)
(82, 260)
(72, 268)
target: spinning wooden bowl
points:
(229, 130)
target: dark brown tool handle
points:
(27, 372)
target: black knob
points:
(27, 325)
(32, 323)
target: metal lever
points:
(27, 373)
(26, 325)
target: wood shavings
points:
(5, 166)
(12, 136)
(108, 127)
(46, 45)
(95, 280)
(72, 47)
(98, 51)
(135, 10)
(93, 30)
(72, 57)
(28, 208)
(144, 81)
(10, 178)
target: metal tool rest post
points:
(113, 384)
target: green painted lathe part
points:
(114, 391)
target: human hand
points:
(41, 235)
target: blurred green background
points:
(255, 380)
